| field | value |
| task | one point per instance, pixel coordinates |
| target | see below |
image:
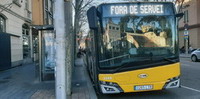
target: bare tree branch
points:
(89, 2)
(81, 7)
(73, 5)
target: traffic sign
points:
(186, 37)
(186, 33)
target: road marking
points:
(190, 88)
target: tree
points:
(80, 19)
(180, 5)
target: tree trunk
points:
(69, 46)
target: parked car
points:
(195, 55)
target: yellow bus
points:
(133, 47)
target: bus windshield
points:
(140, 39)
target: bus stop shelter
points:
(44, 52)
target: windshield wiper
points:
(128, 64)
(168, 59)
(119, 68)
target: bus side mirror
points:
(179, 15)
(92, 17)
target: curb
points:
(92, 93)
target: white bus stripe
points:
(190, 88)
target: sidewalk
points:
(82, 86)
(21, 83)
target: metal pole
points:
(60, 73)
(186, 47)
(40, 55)
(31, 44)
(186, 35)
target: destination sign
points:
(112, 10)
(143, 9)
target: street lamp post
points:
(60, 69)
(186, 36)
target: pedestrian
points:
(182, 50)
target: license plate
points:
(143, 87)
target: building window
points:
(51, 8)
(26, 41)
(50, 19)
(46, 4)
(46, 17)
(2, 24)
(186, 18)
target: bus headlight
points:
(110, 87)
(173, 83)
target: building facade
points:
(15, 20)
(43, 38)
(42, 12)
(191, 23)
(42, 16)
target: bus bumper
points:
(114, 88)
